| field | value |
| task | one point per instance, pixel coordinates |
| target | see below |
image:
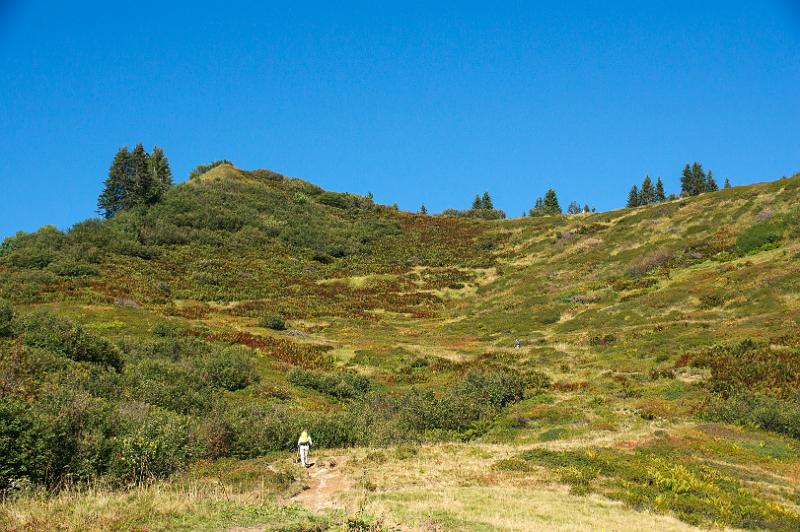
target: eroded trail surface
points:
(325, 481)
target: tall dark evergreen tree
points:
(423, 209)
(551, 205)
(727, 183)
(486, 201)
(647, 195)
(117, 184)
(159, 167)
(633, 197)
(144, 189)
(687, 184)
(586, 207)
(477, 203)
(660, 196)
(710, 184)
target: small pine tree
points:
(538, 208)
(633, 197)
(477, 203)
(486, 201)
(727, 183)
(551, 205)
(586, 207)
(574, 208)
(159, 168)
(686, 180)
(710, 184)
(647, 195)
(423, 209)
(660, 196)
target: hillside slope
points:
(658, 373)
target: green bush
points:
(60, 335)
(231, 369)
(340, 385)
(6, 318)
(272, 321)
(153, 444)
(761, 235)
(754, 409)
(24, 452)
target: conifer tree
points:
(686, 181)
(574, 208)
(633, 197)
(116, 185)
(477, 203)
(647, 195)
(727, 183)
(538, 208)
(159, 168)
(423, 209)
(143, 189)
(710, 184)
(551, 205)
(660, 196)
(486, 201)
(586, 207)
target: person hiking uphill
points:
(304, 444)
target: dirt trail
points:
(325, 481)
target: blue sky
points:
(413, 102)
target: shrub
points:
(153, 444)
(656, 259)
(60, 335)
(760, 235)
(24, 452)
(340, 385)
(753, 409)
(231, 369)
(6, 318)
(272, 321)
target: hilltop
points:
(168, 356)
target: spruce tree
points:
(574, 208)
(143, 189)
(486, 201)
(477, 203)
(551, 205)
(686, 181)
(710, 184)
(112, 199)
(660, 196)
(727, 183)
(159, 168)
(423, 209)
(647, 195)
(633, 197)
(586, 207)
(698, 179)
(538, 208)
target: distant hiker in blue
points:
(516, 344)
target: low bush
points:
(656, 259)
(231, 369)
(761, 235)
(6, 318)
(340, 385)
(60, 335)
(272, 321)
(757, 410)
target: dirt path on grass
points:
(325, 481)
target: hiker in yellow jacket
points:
(304, 444)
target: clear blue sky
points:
(416, 103)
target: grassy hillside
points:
(157, 367)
